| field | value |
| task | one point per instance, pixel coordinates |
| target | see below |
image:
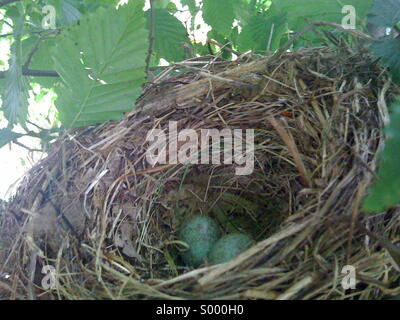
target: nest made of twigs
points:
(107, 220)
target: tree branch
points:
(34, 73)
(26, 147)
(151, 38)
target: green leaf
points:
(171, 8)
(386, 191)
(161, 4)
(244, 11)
(170, 35)
(91, 5)
(41, 59)
(13, 12)
(256, 33)
(388, 49)
(219, 15)
(7, 136)
(200, 49)
(362, 7)
(70, 11)
(15, 89)
(15, 93)
(67, 11)
(384, 13)
(101, 62)
(301, 12)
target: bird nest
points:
(96, 219)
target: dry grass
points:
(106, 220)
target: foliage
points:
(7, 136)
(301, 12)
(170, 35)
(388, 50)
(15, 92)
(219, 15)
(263, 31)
(386, 191)
(387, 14)
(102, 75)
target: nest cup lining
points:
(317, 121)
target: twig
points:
(239, 84)
(26, 147)
(223, 47)
(210, 51)
(34, 73)
(35, 125)
(30, 56)
(151, 38)
(7, 23)
(353, 32)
